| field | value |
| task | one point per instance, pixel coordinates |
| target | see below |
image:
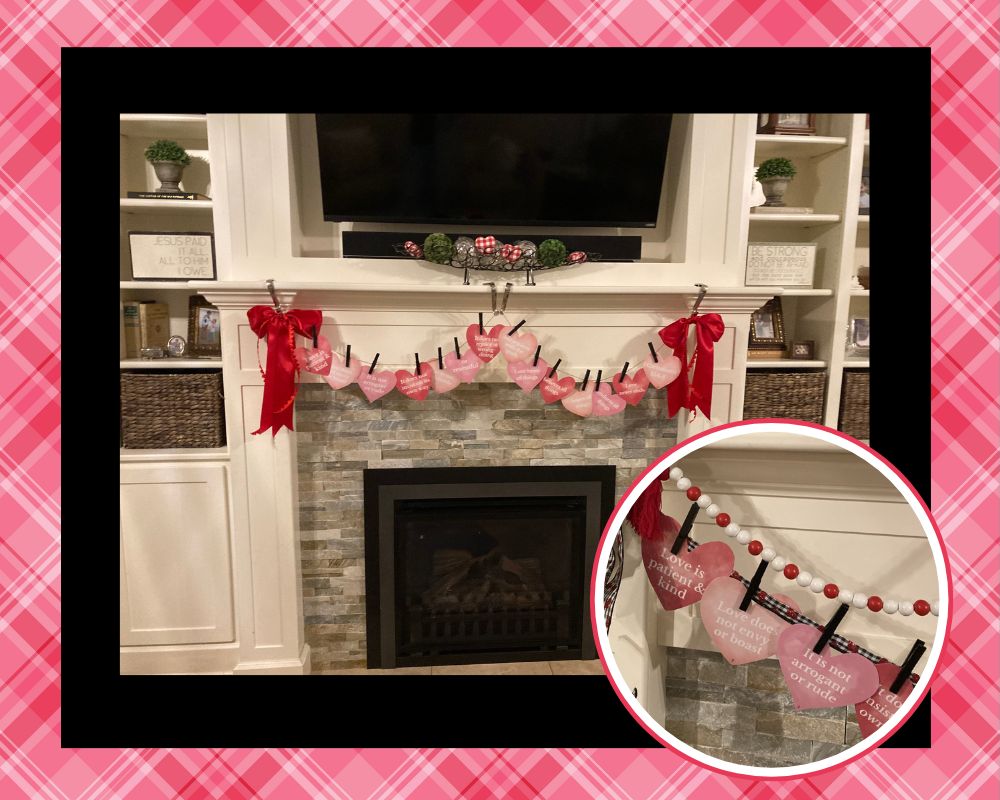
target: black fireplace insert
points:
(480, 565)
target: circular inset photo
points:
(770, 598)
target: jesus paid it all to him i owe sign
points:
(162, 255)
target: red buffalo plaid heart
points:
(577, 257)
(413, 249)
(511, 253)
(487, 245)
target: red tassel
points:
(645, 512)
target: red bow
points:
(697, 393)
(279, 380)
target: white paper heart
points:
(340, 375)
(517, 347)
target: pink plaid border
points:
(965, 325)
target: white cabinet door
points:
(175, 575)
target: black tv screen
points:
(496, 169)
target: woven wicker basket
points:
(172, 409)
(854, 404)
(789, 394)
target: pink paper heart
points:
(556, 388)
(741, 636)
(339, 374)
(631, 388)
(527, 375)
(662, 372)
(484, 345)
(376, 384)
(874, 712)
(680, 580)
(605, 403)
(314, 359)
(517, 347)
(464, 367)
(580, 403)
(441, 379)
(414, 386)
(824, 680)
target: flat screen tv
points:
(589, 170)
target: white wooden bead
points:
(713, 511)
(890, 606)
(676, 473)
(768, 554)
(846, 596)
(804, 579)
(778, 563)
(906, 609)
(817, 585)
(743, 537)
(684, 484)
(860, 600)
(732, 529)
(935, 608)
(704, 501)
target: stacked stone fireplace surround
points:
(340, 433)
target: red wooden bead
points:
(875, 603)
(922, 608)
(755, 548)
(723, 519)
(693, 493)
(831, 590)
(791, 571)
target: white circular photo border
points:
(729, 431)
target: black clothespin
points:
(754, 585)
(586, 379)
(831, 627)
(416, 358)
(347, 361)
(514, 330)
(686, 526)
(481, 323)
(371, 369)
(538, 352)
(458, 353)
(597, 383)
(555, 367)
(652, 352)
(316, 338)
(440, 359)
(702, 291)
(908, 664)
(621, 375)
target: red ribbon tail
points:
(645, 512)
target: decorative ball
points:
(552, 253)
(693, 493)
(768, 554)
(684, 484)
(906, 609)
(831, 590)
(804, 578)
(743, 537)
(791, 571)
(860, 600)
(731, 527)
(438, 248)
(890, 606)
(464, 246)
(528, 251)
(935, 607)
(846, 596)
(723, 520)
(755, 548)
(676, 473)
(704, 501)
(778, 563)
(875, 603)
(713, 511)
(817, 585)
(921, 608)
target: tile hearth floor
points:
(514, 668)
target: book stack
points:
(166, 196)
(147, 324)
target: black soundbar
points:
(377, 244)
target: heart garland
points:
(741, 636)
(680, 580)
(875, 711)
(826, 679)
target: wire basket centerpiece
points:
(489, 253)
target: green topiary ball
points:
(438, 248)
(552, 253)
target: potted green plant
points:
(168, 159)
(774, 175)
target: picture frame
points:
(172, 255)
(204, 329)
(781, 264)
(859, 336)
(801, 124)
(804, 350)
(767, 327)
